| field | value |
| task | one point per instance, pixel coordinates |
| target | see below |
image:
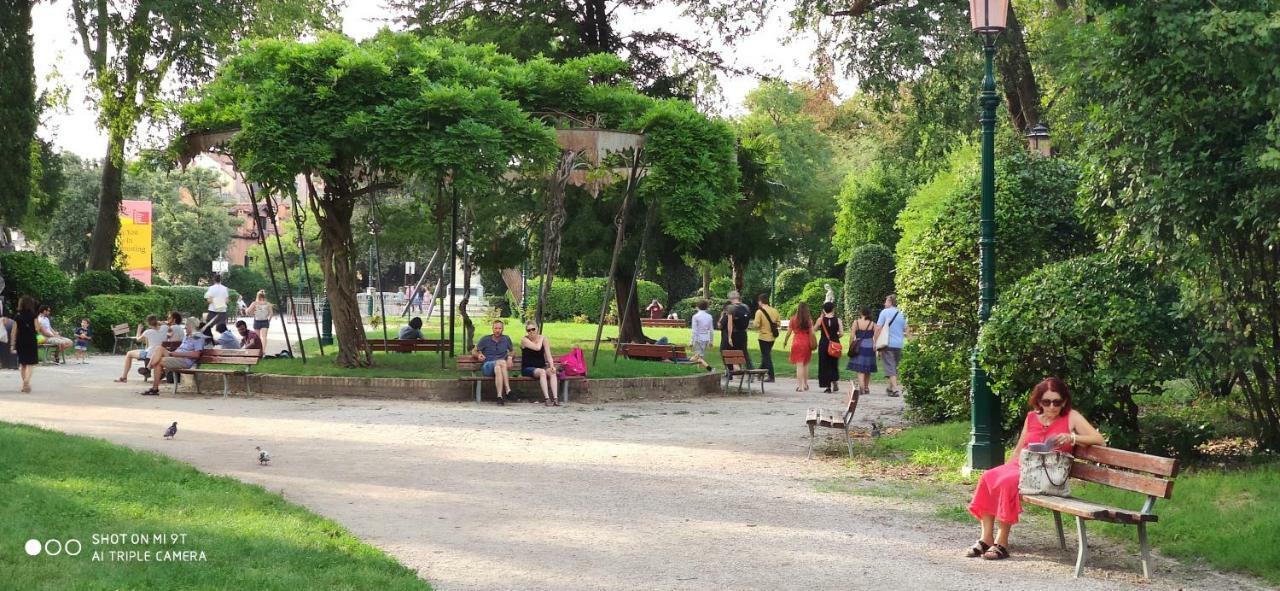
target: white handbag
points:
(1044, 473)
(882, 341)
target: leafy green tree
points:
(1181, 159)
(869, 207)
(67, 241)
(18, 113)
(136, 47)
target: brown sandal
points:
(979, 548)
(996, 552)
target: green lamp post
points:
(988, 19)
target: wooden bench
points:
(666, 352)
(474, 363)
(409, 345)
(663, 323)
(245, 358)
(1116, 468)
(738, 359)
(120, 334)
(821, 417)
(52, 354)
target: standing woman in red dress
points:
(801, 325)
(1051, 420)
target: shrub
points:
(126, 283)
(29, 274)
(790, 283)
(721, 286)
(1175, 430)
(569, 298)
(814, 294)
(936, 381)
(105, 311)
(189, 299)
(868, 278)
(1106, 327)
(91, 283)
(158, 281)
(687, 307)
(136, 287)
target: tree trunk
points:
(630, 330)
(706, 281)
(1021, 94)
(553, 224)
(333, 215)
(737, 270)
(515, 286)
(102, 247)
(468, 327)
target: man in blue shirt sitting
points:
(184, 357)
(496, 349)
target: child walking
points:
(84, 336)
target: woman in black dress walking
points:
(829, 329)
(23, 340)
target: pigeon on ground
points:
(171, 431)
(264, 458)
(875, 429)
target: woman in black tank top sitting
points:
(536, 362)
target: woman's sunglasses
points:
(531, 329)
(1047, 402)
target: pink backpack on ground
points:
(573, 364)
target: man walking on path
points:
(896, 322)
(739, 318)
(704, 327)
(767, 323)
(217, 296)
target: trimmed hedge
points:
(105, 311)
(814, 294)
(868, 279)
(581, 297)
(790, 283)
(189, 299)
(91, 283)
(29, 274)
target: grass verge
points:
(1228, 518)
(60, 487)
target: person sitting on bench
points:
(226, 338)
(248, 338)
(51, 336)
(496, 349)
(184, 357)
(411, 331)
(536, 362)
(152, 337)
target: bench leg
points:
(247, 389)
(1082, 554)
(809, 456)
(224, 385)
(848, 441)
(1057, 521)
(477, 391)
(1146, 550)
(564, 391)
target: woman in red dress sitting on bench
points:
(1051, 420)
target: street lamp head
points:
(988, 17)
(1038, 140)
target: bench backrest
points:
(120, 329)
(651, 350)
(408, 345)
(850, 404)
(733, 357)
(1128, 470)
(476, 362)
(230, 356)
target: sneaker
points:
(895, 393)
(151, 392)
(502, 401)
(144, 372)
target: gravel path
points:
(690, 495)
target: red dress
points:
(801, 343)
(997, 492)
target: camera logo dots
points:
(70, 547)
(33, 547)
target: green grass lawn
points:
(563, 336)
(1228, 518)
(59, 487)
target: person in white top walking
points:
(704, 327)
(217, 296)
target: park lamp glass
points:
(1038, 140)
(988, 17)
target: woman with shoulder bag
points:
(862, 349)
(830, 330)
(1052, 423)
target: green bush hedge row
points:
(106, 311)
(581, 297)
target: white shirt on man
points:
(703, 326)
(217, 295)
(154, 337)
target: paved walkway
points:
(692, 495)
